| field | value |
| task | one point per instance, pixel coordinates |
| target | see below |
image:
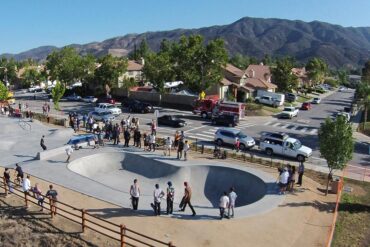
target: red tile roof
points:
(234, 70)
(260, 71)
(258, 83)
(134, 66)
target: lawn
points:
(302, 99)
(254, 109)
(353, 223)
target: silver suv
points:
(229, 136)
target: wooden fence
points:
(121, 233)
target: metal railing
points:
(119, 232)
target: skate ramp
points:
(118, 170)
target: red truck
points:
(212, 105)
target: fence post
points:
(202, 151)
(123, 232)
(25, 198)
(51, 207)
(170, 244)
(196, 145)
(83, 220)
(5, 186)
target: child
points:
(186, 149)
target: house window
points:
(130, 73)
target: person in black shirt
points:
(52, 195)
(42, 143)
(7, 179)
(20, 174)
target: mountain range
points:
(338, 46)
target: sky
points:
(27, 24)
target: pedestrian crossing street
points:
(209, 133)
(292, 127)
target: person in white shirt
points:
(186, 149)
(69, 151)
(283, 180)
(26, 184)
(224, 203)
(158, 194)
(232, 199)
(135, 194)
(168, 146)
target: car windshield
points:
(316, 99)
(288, 109)
(110, 106)
(241, 135)
(105, 113)
(297, 145)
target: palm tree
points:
(363, 94)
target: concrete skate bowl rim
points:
(249, 190)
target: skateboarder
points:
(42, 143)
(135, 194)
(158, 195)
(186, 199)
(69, 151)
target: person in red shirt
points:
(237, 144)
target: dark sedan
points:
(171, 121)
(140, 107)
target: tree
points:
(65, 65)
(109, 71)
(366, 72)
(142, 52)
(31, 76)
(242, 62)
(317, 70)
(199, 65)
(57, 93)
(3, 91)
(283, 77)
(336, 144)
(363, 95)
(342, 77)
(8, 70)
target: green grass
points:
(290, 103)
(302, 99)
(353, 222)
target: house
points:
(259, 77)
(134, 71)
(303, 79)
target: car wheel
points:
(204, 115)
(242, 147)
(269, 151)
(301, 158)
(219, 142)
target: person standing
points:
(53, 196)
(292, 179)
(177, 139)
(154, 127)
(152, 142)
(127, 137)
(158, 195)
(180, 149)
(283, 180)
(187, 199)
(42, 143)
(186, 150)
(167, 148)
(300, 173)
(38, 195)
(69, 151)
(170, 197)
(20, 174)
(237, 145)
(26, 184)
(135, 194)
(224, 203)
(7, 179)
(145, 138)
(232, 199)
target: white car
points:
(341, 89)
(289, 112)
(73, 97)
(316, 101)
(89, 99)
(228, 136)
(108, 107)
(346, 115)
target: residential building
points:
(259, 77)
(134, 72)
(303, 79)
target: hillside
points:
(339, 46)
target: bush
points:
(332, 82)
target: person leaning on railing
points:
(52, 195)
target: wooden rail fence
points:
(126, 236)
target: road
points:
(304, 127)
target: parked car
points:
(102, 116)
(228, 136)
(141, 107)
(316, 100)
(289, 112)
(346, 115)
(106, 100)
(73, 97)
(102, 107)
(225, 119)
(171, 121)
(289, 147)
(89, 99)
(126, 102)
(306, 106)
(342, 89)
(291, 97)
(267, 100)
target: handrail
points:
(123, 230)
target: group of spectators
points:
(288, 176)
(25, 183)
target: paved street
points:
(304, 127)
